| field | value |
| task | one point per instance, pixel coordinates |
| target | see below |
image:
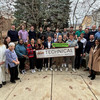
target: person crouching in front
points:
(12, 62)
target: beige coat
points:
(94, 60)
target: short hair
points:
(71, 27)
(71, 34)
(80, 26)
(11, 44)
(49, 36)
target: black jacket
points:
(80, 49)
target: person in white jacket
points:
(2, 64)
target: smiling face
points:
(11, 48)
(79, 38)
(23, 27)
(13, 27)
(32, 41)
(93, 27)
(8, 39)
(60, 38)
(97, 42)
(71, 37)
(21, 41)
(48, 29)
(64, 36)
(32, 27)
(49, 38)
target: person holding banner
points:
(32, 55)
(48, 45)
(59, 60)
(39, 62)
(72, 43)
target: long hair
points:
(98, 45)
(5, 42)
(37, 46)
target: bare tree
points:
(81, 9)
(6, 10)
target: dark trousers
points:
(13, 73)
(46, 60)
(32, 62)
(39, 63)
(22, 63)
(77, 61)
(93, 73)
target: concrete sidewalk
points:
(53, 86)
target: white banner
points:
(57, 52)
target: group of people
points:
(21, 45)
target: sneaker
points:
(62, 65)
(41, 70)
(23, 72)
(65, 65)
(4, 83)
(33, 71)
(61, 69)
(12, 81)
(0, 85)
(55, 70)
(17, 78)
(46, 69)
(73, 69)
(51, 69)
(66, 69)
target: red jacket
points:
(30, 51)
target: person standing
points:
(32, 33)
(49, 33)
(65, 38)
(31, 48)
(55, 38)
(58, 33)
(71, 31)
(79, 53)
(12, 62)
(97, 35)
(72, 43)
(93, 31)
(65, 31)
(83, 40)
(13, 34)
(2, 64)
(88, 46)
(22, 55)
(79, 32)
(86, 34)
(40, 33)
(48, 45)
(59, 60)
(94, 59)
(39, 62)
(23, 34)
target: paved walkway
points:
(53, 86)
